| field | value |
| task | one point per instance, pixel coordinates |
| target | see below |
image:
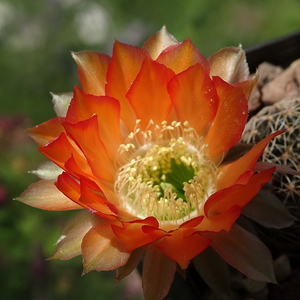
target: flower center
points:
(168, 174)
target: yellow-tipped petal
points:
(101, 249)
(69, 243)
(159, 42)
(230, 64)
(61, 103)
(45, 195)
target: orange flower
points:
(148, 150)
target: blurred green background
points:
(36, 37)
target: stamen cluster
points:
(166, 172)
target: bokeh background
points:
(36, 37)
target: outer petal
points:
(194, 97)
(148, 94)
(228, 125)
(245, 252)
(131, 264)
(61, 103)
(46, 131)
(47, 171)
(45, 195)
(158, 274)
(206, 264)
(101, 250)
(125, 64)
(267, 210)
(181, 56)
(159, 42)
(92, 68)
(181, 249)
(69, 243)
(238, 194)
(229, 173)
(230, 64)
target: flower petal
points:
(45, 195)
(222, 221)
(143, 232)
(101, 249)
(229, 173)
(181, 56)
(148, 94)
(158, 274)
(60, 151)
(93, 198)
(47, 171)
(182, 249)
(194, 97)
(86, 135)
(61, 103)
(46, 131)
(238, 194)
(267, 210)
(230, 64)
(206, 264)
(69, 243)
(159, 42)
(228, 125)
(125, 64)
(245, 252)
(84, 106)
(92, 68)
(134, 259)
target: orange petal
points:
(46, 131)
(85, 134)
(69, 187)
(183, 249)
(101, 250)
(238, 194)
(229, 173)
(45, 195)
(223, 221)
(60, 151)
(158, 274)
(181, 56)
(194, 97)
(159, 42)
(69, 243)
(228, 125)
(230, 64)
(125, 64)
(96, 201)
(138, 233)
(148, 94)
(83, 106)
(247, 86)
(92, 68)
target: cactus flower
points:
(147, 150)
